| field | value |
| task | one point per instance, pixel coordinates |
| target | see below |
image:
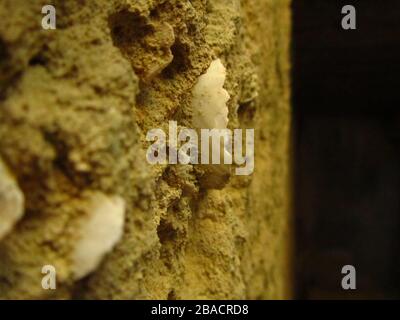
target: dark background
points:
(346, 98)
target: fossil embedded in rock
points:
(11, 201)
(100, 230)
(210, 98)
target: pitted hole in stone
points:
(180, 62)
(172, 295)
(38, 60)
(166, 232)
(246, 112)
(4, 55)
(128, 28)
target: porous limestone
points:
(75, 106)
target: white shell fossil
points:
(100, 230)
(11, 201)
(209, 98)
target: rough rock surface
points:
(75, 105)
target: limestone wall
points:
(75, 106)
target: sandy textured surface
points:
(75, 106)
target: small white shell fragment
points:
(100, 230)
(209, 98)
(11, 201)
